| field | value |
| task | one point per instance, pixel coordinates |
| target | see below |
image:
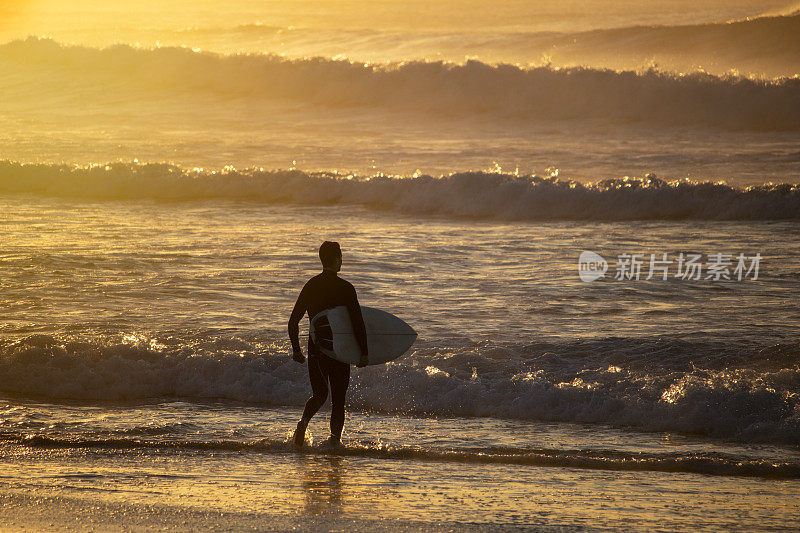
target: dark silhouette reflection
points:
(322, 483)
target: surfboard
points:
(388, 337)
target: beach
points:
(451, 474)
(588, 212)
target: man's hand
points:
(298, 356)
(362, 361)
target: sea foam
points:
(711, 389)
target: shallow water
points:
(133, 300)
(211, 458)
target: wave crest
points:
(482, 195)
(764, 45)
(472, 89)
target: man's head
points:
(331, 256)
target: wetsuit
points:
(324, 291)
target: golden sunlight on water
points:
(13, 11)
(235, 492)
(95, 21)
(169, 168)
(91, 82)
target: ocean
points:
(168, 171)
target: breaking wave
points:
(712, 389)
(760, 45)
(765, 45)
(75, 74)
(481, 195)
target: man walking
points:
(324, 291)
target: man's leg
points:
(319, 390)
(339, 377)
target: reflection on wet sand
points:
(322, 482)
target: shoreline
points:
(97, 490)
(25, 512)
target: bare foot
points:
(300, 434)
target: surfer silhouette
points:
(325, 291)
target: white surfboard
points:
(388, 337)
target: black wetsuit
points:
(324, 291)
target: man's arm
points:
(294, 326)
(358, 325)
